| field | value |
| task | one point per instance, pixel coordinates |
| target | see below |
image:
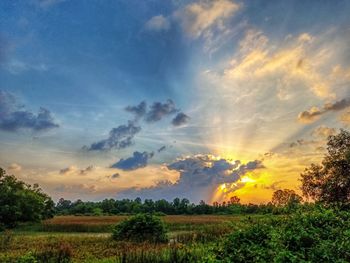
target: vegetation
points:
(141, 228)
(161, 207)
(329, 182)
(20, 202)
(321, 235)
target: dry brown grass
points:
(105, 223)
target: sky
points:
(202, 99)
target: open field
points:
(104, 223)
(88, 239)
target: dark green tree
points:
(329, 182)
(21, 202)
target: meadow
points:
(88, 239)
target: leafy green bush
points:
(140, 228)
(20, 202)
(318, 236)
(27, 258)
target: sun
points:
(247, 179)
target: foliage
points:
(330, 182)
(286, 199)
(141, 228)
(20, 202)
(318, 236)
(27, 258)
(162, 207)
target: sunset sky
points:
(163, 98)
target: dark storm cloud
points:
(199, 175)
(119, 138)
(180, 119)
(139, 111)
(14, 117)
(160, 110)
(314, 113)
(138, 160)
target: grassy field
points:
(88, 239)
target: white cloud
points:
(158, 23)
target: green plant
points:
(321, 235)
(141, 228)
(27, 258)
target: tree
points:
(21, 202)
(285, 197)
(234, 200)
(141, 228)
(329, 182)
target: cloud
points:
(87, 170)
(314, 113)
(161, 149)
(296, 62)
(158, 23)
(14, 167)
(76, 188)
(345, 118)
(76, 171)
(309, 116)
(302, 142)
(119, 138)
(199, 176)
(337, 105)
(323, 131)
(14, 117)
(199, 18)
(138, 160)
(139, 111)
(114, 176)
(160, 110)
(68, 170)
(180, 119)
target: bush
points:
(21, 202)
(27, 258)
(318, 236)
(141, 228)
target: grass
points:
(88, 239)
(100, 224)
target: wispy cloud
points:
(158, 23)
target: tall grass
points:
(100, 224)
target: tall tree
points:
(329, 182)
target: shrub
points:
(141, 228)
(27, 258)
(318, 236)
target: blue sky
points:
(250, 79)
